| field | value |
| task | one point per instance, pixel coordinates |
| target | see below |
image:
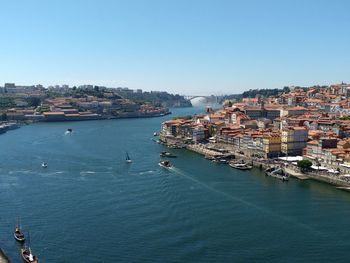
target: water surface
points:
(90, 206)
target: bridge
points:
(199, 99)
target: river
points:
(90, 206)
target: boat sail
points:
(128, 160)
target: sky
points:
(192, 47)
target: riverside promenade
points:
(292, 171)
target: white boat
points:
(27, 255)
(165, 164)
(44, 165)
(167, 154)
(241, 166)
(127, 159)
(277, 173)
(155, 134)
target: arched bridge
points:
(202, 99)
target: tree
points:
(304, 164)
(33, 101)
(4, 116)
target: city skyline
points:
(185, 47)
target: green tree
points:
(4, 116)
(304, 165)
(33, 101)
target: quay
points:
(203, 150)
(218, 151)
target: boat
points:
(240, 165)
(18, 234)
(127, 159)
(167, 154)
(208, 157)
(44, 165)
(27, 255)
(69, 130)
(155, 134)
(165, 164)
(277, 172)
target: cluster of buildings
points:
(310, 122)
(58, 103)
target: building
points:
(272, 144)
(293, 140)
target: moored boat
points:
(155, 134)
(240, 165)
(165, 164)
(167, 154)
(277, 172)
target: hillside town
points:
(24, 104)
(299, 124)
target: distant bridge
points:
(202, 99)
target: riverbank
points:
(3, 257)
(7, 126)
(216, 151)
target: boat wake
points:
(83, 173)
(237, 199)
(146, 172)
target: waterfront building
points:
(272, 144)
(293, 140)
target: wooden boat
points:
(27, 255)
(165, 164)
(18, 234)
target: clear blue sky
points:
(183, 46)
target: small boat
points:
(208, 157)
(44, 165)
(155, 134)
(70, 130)
(167, 154)
(277, 173)
(241, 166)
(165, 164)
(127, 159)
(18, 234)
(27, 255)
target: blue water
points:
(90, 206)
